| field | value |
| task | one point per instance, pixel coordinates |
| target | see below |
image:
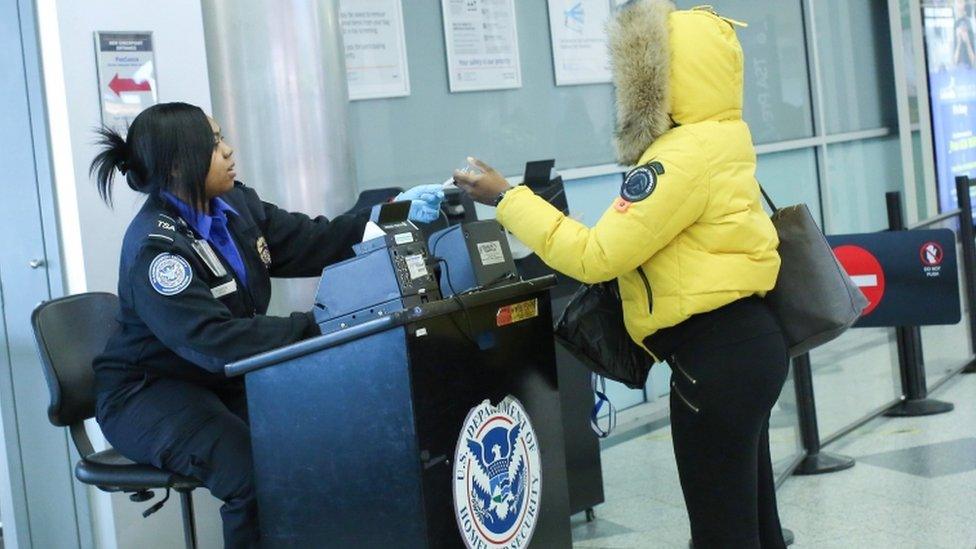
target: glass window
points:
(854, 45)
(859, 173)
(791, 178)
(784, 428)
(854, 375)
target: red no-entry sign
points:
(909, 277)
(866, 272)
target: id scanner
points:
(388, 274)
(477, 257)
(397, 271)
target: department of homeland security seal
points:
(497, 477)
(169, 274)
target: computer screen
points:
(950, 52)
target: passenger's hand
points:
(481, 187)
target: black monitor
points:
(537, 173)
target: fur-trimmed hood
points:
(671, 67)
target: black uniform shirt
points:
(180, 320)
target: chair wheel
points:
(141, 496)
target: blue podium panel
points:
(355, 433)
(335, 450)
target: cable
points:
(469, 334)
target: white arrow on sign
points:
(865, 281)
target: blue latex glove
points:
(425, 202)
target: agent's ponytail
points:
(114, 155)
(168, 148)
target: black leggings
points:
(728, 371)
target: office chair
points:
(70, 332)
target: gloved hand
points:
(425, 202)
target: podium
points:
(368, 436)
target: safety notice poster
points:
(376, 53)
(580, 50)
(482, 45)
(126, 76)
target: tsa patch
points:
(641, 182)
(169, 274)
(497, 477)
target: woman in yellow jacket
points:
(693, 252)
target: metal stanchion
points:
(909, 338)
(966, 237)
(815, 462)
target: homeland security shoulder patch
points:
(497, 477)
(169, 274)
(641, 182)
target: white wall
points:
(90, 229)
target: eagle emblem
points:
(497, 476)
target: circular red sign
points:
(865, 270)
(931, 254)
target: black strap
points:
(769, 201)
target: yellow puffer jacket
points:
(688, 234)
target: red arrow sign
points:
(865, 270)
(119, 85)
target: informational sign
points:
(580, 48)
(909, 277)
(950, 51)
(482, 45)
(376, 52)
(126, 76)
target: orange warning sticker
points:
(517, 312)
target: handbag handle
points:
(769, 201)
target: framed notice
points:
(126, 76)
(482, 45)
(376, 52)
(580, 49)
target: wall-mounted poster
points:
(376, 51)
(482, 45)
(126, 76)
(580, 49)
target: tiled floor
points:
(914, 486)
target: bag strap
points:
(599, 386)
(769, 201)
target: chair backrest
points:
(70, 332)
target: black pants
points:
(196, 432)
(729, 367)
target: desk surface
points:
(428, 310)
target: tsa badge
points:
(497, 477)
(264, 252)
(169, 274)
(641, 182)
